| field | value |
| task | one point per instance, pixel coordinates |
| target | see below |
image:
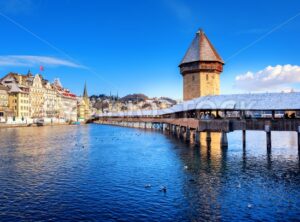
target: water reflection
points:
(244, 181)
(99, 173)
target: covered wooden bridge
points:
(225, 113)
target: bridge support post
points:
(224, 140)
(268, 134)
(181, 132)
(169, 128)
(197, 138)
(244, 139)
(298, 139)
(188, 134)
(208, 139)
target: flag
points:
(42, 68)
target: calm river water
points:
(99, 173)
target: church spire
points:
(85, 94)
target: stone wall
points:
(202, 83)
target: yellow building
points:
(4, 99)
(83, 108)
(19, 102)
(18, 98)
(201, 68)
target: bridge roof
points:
(250, 102)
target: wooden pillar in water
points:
(208, 136)
(197, 137)
(208, 139)
(244, 139)
(268, 134)
(298, 139)
(181, 132)
(224, 140)
(188, 134)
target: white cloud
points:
(16, 7)
(180, 9)
(272, 78)
(30, 61)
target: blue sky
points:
(135, 46)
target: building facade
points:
(201, 68)
(18, 96)
(4, 103)
(83, 109)
(36, 98)
(66, 102)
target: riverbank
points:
(5, 126)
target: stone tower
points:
(201, 68)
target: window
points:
(193, 78)
(206, 77)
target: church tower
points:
(201, 68)
(86, 100)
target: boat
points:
(40, 122)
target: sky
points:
(133, 46)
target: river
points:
(109, 173)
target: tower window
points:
(193, 78)
(206, 77)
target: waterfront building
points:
(84, 109)
(201, 68)
(18, 96)
(35, 97)
(4, 109)
(67, 102)
(19, 102)
(51, 101)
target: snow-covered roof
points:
(15, 88)
(262, 101)
(201, 49)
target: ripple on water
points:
(99, 173)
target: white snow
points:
(262, 101)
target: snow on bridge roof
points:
(261, 101)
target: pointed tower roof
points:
(201, 50)
(85, 94)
